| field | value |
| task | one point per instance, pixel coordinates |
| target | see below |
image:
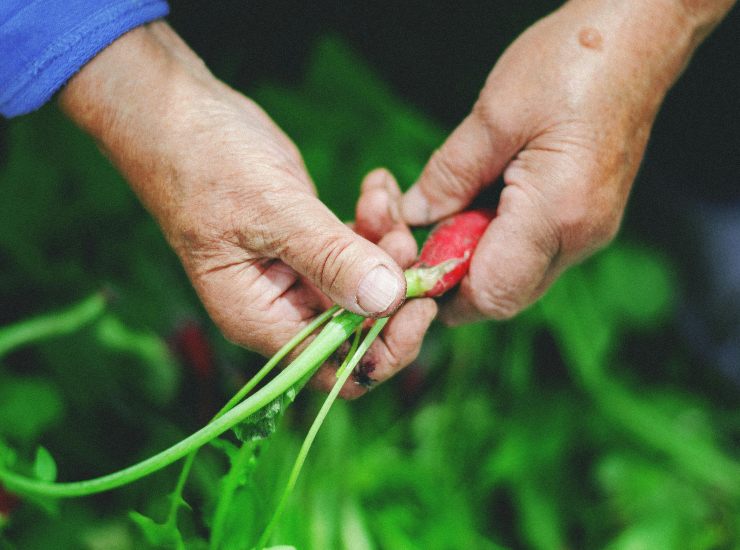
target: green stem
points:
(228, 488)
(336, 331)
(420, 280)
(176, 498)
(279, 356)
(58, 323)
(350, 354)
(345, 370)
(325, 343)
(237, 398)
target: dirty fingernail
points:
(378, 290)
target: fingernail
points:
(378, 290)
(376, 178)
(415, 207)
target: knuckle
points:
(498, 304)
(331, 260)
(500, 124)
(586, 223)
(451, 179)
(396, 359)
(487, 112)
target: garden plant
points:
(572, 426)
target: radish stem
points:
(57, 323)
(337, 330)
(237, 398)
(344, 372)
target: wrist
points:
(701, 16)
(133, 95)
(135, 98)
(648, 43)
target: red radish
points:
(450, 247)
(443, 262)
(8, 503)
(190, 342)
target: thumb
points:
(352, 271)
(472, 157)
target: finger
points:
(401, 246)
(260, 305)
(472, 157)
(511, 262)
(399, 343)
(379, 220)
(398, 346)
(377, 210)
(352, 271)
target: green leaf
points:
(44, 466)
(263, 423)
(159, 535)
(28, 407)
(634, 284)
(160, 377)
(341, 94)
(8, 456)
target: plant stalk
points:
(344, 372)
(326, 342)
(336, 331)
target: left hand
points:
(563, 118)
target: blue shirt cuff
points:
(44, 42)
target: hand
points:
(233, 197)
(563, 118)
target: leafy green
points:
(158, 535)
(28, 407)
(264, 422)
(583, 423)
(161, 377)
(44, 465)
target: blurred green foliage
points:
(580, 424)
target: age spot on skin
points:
(590, 38)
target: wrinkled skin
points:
(564, 118)
(233, 197)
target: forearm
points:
(702, 15)
(639, 46)
(695, 18)
(133, 98)
(145, 67)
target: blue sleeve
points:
(44, 42)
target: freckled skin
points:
(565, 130)
(590, 38)
(230, 191)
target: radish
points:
(8, 503)
(443, 262)
(445, 257)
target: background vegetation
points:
(593, 420)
